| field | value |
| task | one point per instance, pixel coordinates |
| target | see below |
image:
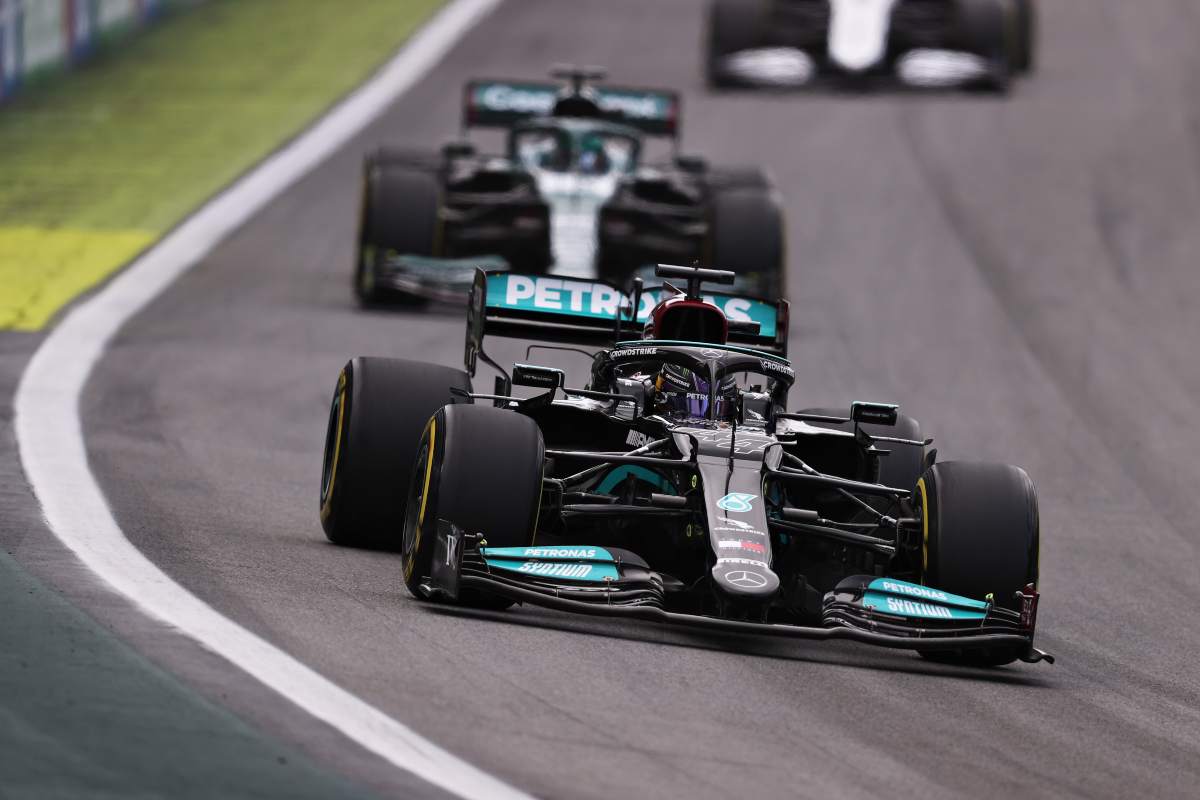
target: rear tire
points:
(747, 237)
(479, 467)
(733, 26)
(400, 215)
(981, 537)
(380, 407)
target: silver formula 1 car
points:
(981, 43)
(577, 190)
(676, 486)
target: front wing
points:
(615, 583)
(442, 280)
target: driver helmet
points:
(593, 160)
(685, 392)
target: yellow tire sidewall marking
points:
(430, 435)
(327, 506)
(431, 432)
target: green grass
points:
(96, 164)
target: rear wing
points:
(499, 104)
(576, 311)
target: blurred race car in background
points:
(573, 193)
(675, 486)
(981, 43)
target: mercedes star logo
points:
(747, 580)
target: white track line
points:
(50, 433)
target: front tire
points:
(399, 215)
(1025, 55)
(733, 26)
(747, 237)
(981, 536)
(379, 409)
(479, 467)
(988, 29)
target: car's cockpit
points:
(715, 383)
(585, 147)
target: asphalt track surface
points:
(1020, 274)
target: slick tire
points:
(1025, 48)
(747, 237)
(399, 214)
(988, 29)
(733, 26)
(479, 467)
(905, 464)
(379, 410)
(981, 536)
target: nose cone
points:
(744, 578)
(858, 32)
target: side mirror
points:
(452, 150)
(538, 377)
(874, 413)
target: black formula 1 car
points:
(981, 43)
(675, 487)
(573, 193)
